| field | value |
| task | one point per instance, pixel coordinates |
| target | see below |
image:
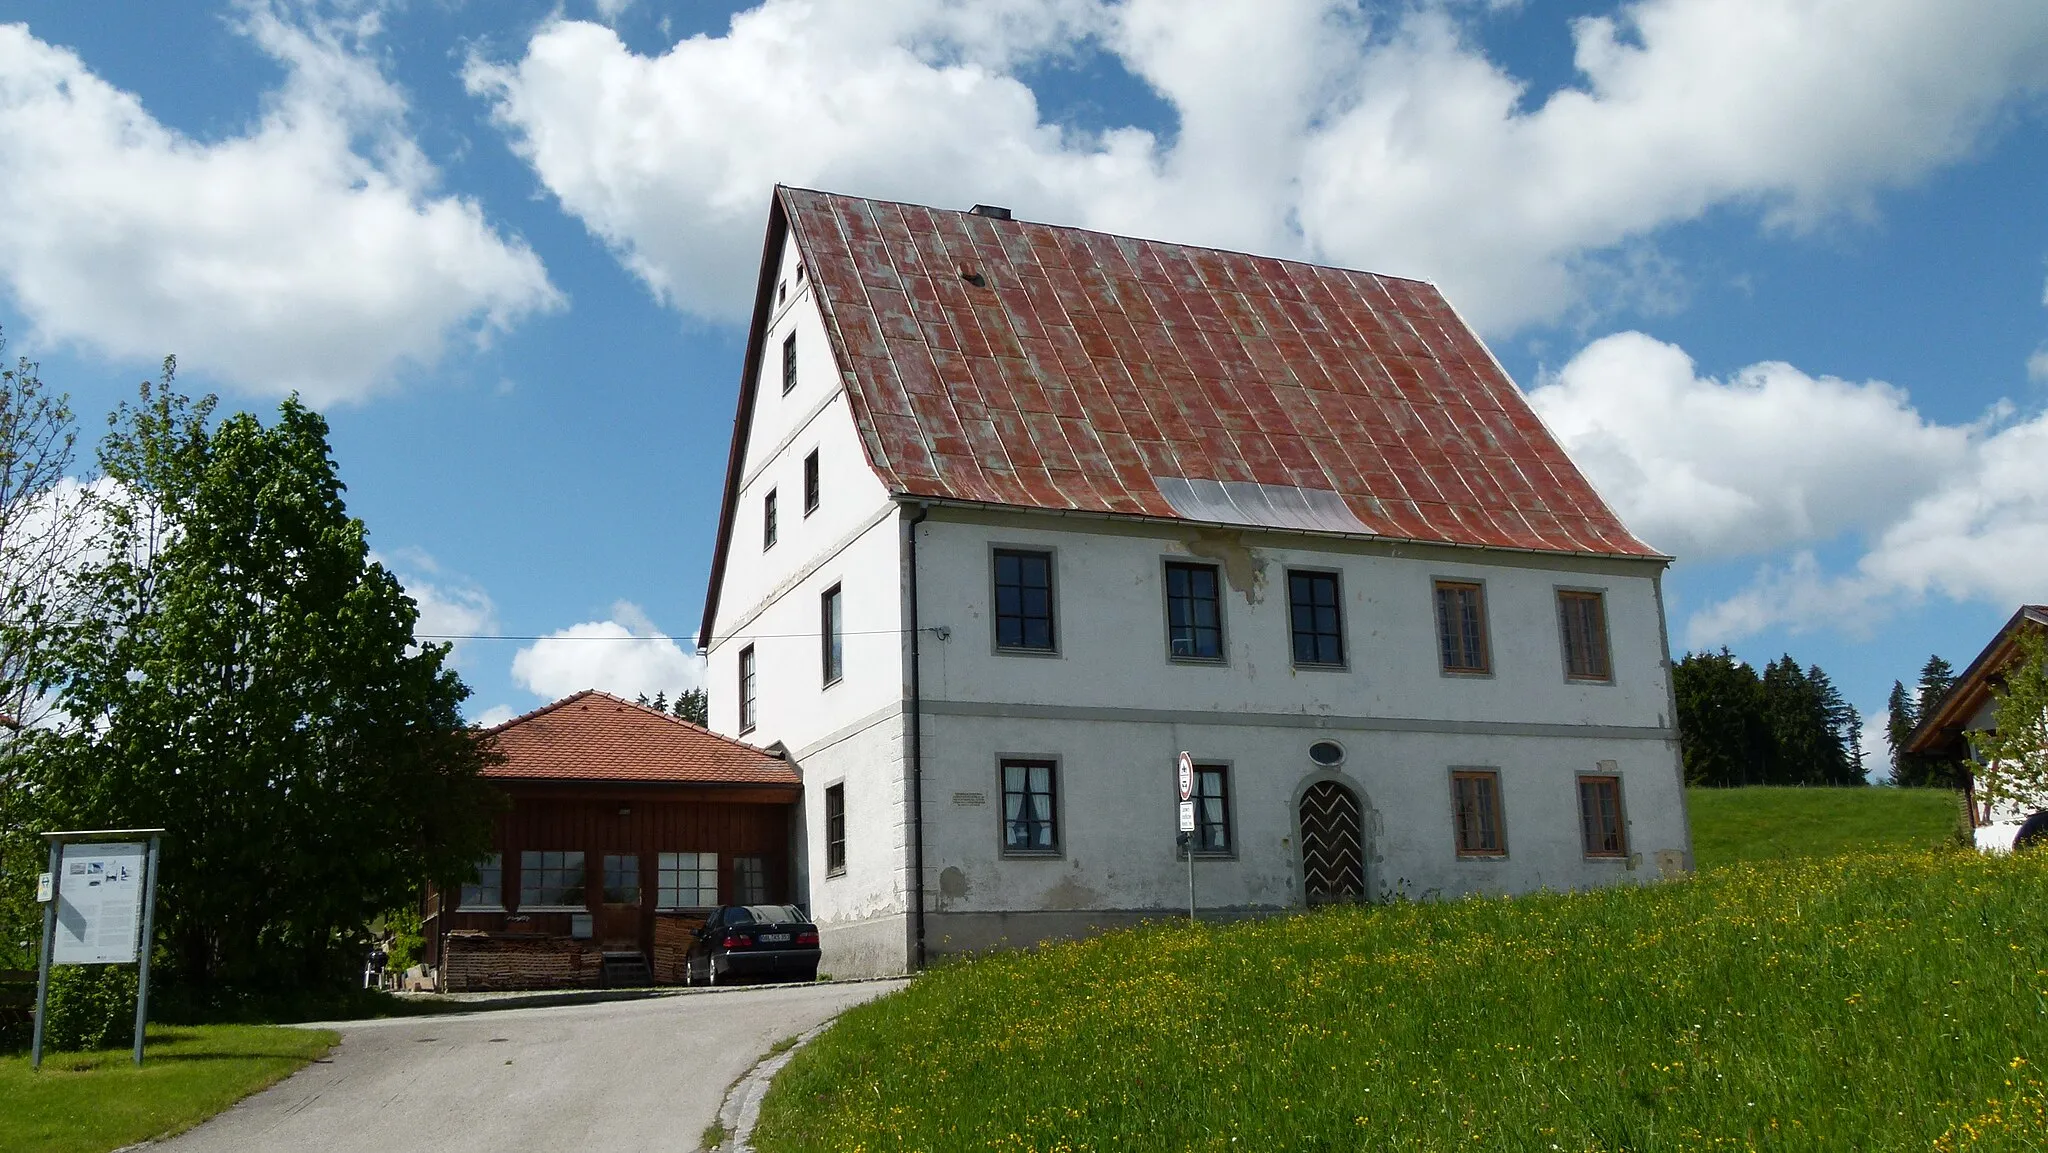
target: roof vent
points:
(991, 211)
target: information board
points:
(99, 903)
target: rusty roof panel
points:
(1008, 362)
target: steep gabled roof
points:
(1942, 727)
(1010, 363)
(594, 736)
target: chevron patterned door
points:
(1332, 844)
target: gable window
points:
(1475, 801)
(1461, 626)
(811, 483)
(1317, 617)
(749, 881)
(687, 880)
(835, 830)
(1194, 612)
(1582, 628)
(1600, 817)
(1030, 818)
(789, 363)
(746, 688)
(1024, 600)
(829, 636)
(621, 879)
(487, 891)
(550, 879)
(1212, 809)
(768, 521)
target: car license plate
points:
(775, 938)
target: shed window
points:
(687, 880)
(1461, 626)
(1194, 612)
(550, 879)
(1318, 618)
(1030, 816)
(487, 891)
(1582, 628)
(1024, 613)
(749, 881)
(789, 362)
(835, 830)
(1475, 795)
(747, 689)
(1600, 817)
(621, 879)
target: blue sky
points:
(1774, 269)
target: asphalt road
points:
(621, 1076)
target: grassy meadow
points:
(1767, 824)
(94, 1102)
(1889, 1000)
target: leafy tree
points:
(2012, 755)
(251, 684)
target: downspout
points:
(916, 743)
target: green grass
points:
(1870, 1002)
(1763, 824)
(92, 1102)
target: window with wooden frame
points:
(768, 521)
(621, 878)
(1194, 612)
(1476, 807)
(550, 879)
(831, 646)
(1316, 616)
(1461, 627)
(487, 891)
(789, 362)
(1212, 810)
(1030, 806)
(686, 880)
(1582, 629)
(746, 696)
(835, 830)
(811, 483)
(1023, 595)
(1600, 817)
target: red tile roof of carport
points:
(595, 736)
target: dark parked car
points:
(742, 941)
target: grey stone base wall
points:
(877, 947)
(958, 934)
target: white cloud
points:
(625, 655)
(309, 252)
(450, 606)
(1303, 126)
(494, 716)
(1771, 456)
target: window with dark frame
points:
(1024, 612)
(768, 521)
(1582, 625)
(687, 880)
(811, 483)
(1212, 809)
(1030, 813)
(749, 881)
(746, 688)
(487, 891)
(789, 362)
(1461, 626)
(1475, 795)
(831, 646)
(1194, 612)
(1317, 618)
(835, 829)
(621, 879)
(548, 878)
(1600, 816)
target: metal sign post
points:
(101, 911)
(1187, 822)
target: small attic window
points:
(781, 291)
(799, 274)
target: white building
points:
(1015, 513)
(1968, 707)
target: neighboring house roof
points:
(594, 736)
(1942, 727)
(1017, 364)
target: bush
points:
(91, 1007)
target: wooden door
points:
(1332, 844)
(622, 896)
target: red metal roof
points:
(1033, 365)
(594, 736)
